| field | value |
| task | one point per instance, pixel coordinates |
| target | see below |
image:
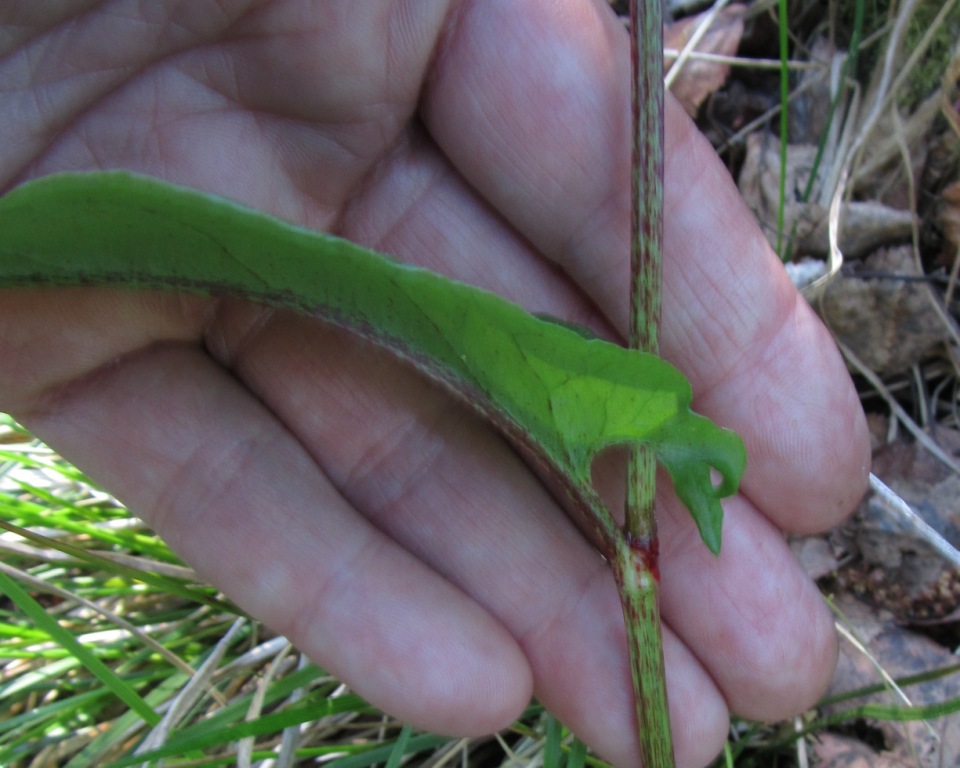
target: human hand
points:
(331, 492)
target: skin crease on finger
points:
(560, 189)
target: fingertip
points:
(752, 616)
(790, 677)
(758, 358)
(420, 650)
(488, 684)
(809, 453)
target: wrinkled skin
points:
(332, 493)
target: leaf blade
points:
(564, 397)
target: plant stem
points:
(646, 235)
(636, 567)
(646, 226)
(638, 582)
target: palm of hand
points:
(335, 495)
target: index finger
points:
(549, 148)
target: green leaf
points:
(561, 397)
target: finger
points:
(752, 615)
(756, 352)
(556, 160)
(235, 494)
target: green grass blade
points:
(399, 750)
(204, 735)
(552, 752)
(115, 737)
(58, 634)
(578, 754)
(849, 68)
(100, 563)
(378, 755)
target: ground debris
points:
(698, 78)
(883, 310)
(900, 653)
(864, 225)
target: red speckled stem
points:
(636, 566)
(646, 234)
(646, 59)
(638, 586)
